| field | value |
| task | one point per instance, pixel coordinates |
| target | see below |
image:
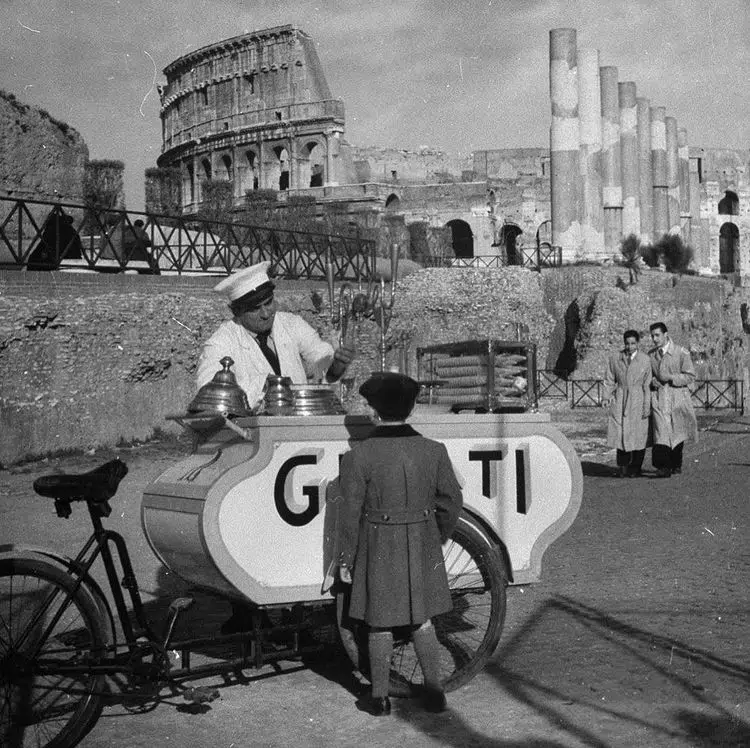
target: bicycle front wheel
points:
(49, 639)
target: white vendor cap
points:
(246, 282)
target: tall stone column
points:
(683, 158)
(659, 165)
(611, 160)
(590, 128)
(673, 176)
(564, 169)
(697, 233)
(631, 204)
(645, 170)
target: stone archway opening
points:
(279, 176)
(463, 239)
(311, 165)
(207, 172)
(393, 203)
(509, 234)
(729, 205)
(729, 242)
(225, 171)
(188, 184)
(249, 174)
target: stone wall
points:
(94, 360)
(41, 158)
(593, 306)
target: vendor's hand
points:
(346, 574)
(342, 357)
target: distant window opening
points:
(206, 164)
(700, 169)
(393, 204)
(250, 78)
(394, 175)
(463, 239)
(278, 116)
(729, 240)
(730, 204)
(204, 95)
(226, 125)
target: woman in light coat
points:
(627, 390)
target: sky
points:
(454, 75)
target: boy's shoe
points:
(434, 701)
(378, 706)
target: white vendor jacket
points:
(303, 356)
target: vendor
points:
(262, 341)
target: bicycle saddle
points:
(97, 486)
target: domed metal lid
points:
(222, 394)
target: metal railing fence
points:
(551, 384)
(42, 235)
(542, 256)
(708, 394)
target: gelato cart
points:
(251, 514)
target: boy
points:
(401, 501)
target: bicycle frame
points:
(143, 635)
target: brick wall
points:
(88, 360)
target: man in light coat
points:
(627, 391)
(673, 420)
(262, 341)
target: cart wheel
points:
(468, 634)
(47, 625)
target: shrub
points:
(676, 254)
(630, 249)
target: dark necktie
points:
(268, 352)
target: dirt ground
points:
(637, 634)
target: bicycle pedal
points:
(179, 604)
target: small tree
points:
(103, 186)
(650, 255)
(163, 191)
(677, 255)
(217, 200)
(630, 249)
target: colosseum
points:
(256, 110)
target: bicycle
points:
(59, 639)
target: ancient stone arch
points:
(393, 203)
(249, 168)
(311, 160)
(463, 238)
(729, 205)
(509, 234)
(729, 243)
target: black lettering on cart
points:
(485, 457)
(522, 500)
(296, 519)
